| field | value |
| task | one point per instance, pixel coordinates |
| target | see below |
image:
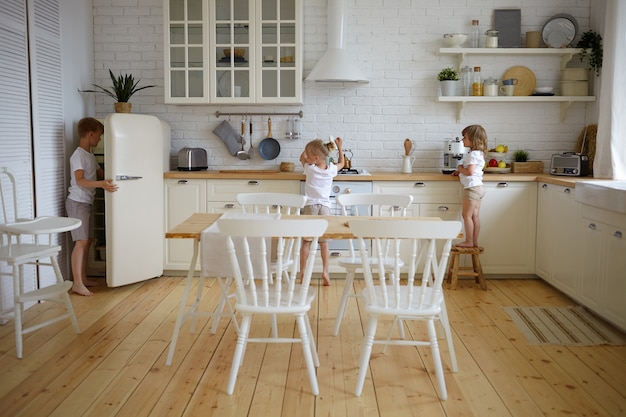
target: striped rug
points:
(568, 326)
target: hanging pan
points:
(269, 148)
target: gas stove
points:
(352, 171)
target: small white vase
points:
(448, 87)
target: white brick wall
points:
(396, 43)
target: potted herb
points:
(449, 78)
(521, 163)
(591, 44)
(124, 86)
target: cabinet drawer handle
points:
(544, 186)
(617, 234)
(229, 206)
(182, 181)
(567, 191)
(591, 226)
(443, 208)
(419, 184)
(503, 184)
(253, 182)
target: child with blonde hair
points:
(319, 179)
(470, 173)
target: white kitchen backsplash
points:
(396, 44)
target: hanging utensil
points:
(269, 148)
(250, 150)
(242, 154)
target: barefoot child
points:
(85, 176)
(319, 179)
(470, 173)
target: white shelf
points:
(566, 54)
(565, 101)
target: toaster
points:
(192, 159)
(570, 163)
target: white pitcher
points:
(407, 164)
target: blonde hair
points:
(477, 136)
(317, 147)
(89, 124)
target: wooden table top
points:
(337, 225)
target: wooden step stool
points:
(455, 271)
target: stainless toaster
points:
(192, 159)
(570, 164)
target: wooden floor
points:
(116, 366)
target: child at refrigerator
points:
(319, 179)
(470, 173)
(85, 176)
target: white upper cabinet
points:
(233, 51)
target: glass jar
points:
(475, 34)
(490, 87)
(466, 78)
(491, 40)
(477, 85)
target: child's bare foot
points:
(81, 290)
(92, 283)
(326, 279)
(465, 245)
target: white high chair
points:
(29, 242)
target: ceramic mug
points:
(509, 81)
(507, 90)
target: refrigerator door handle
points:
(126, 178)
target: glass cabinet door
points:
(186, 63)
(234, 50)
(280, 76)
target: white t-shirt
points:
(476, 158)
(81, 159)
(318, 184)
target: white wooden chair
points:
(420, 297)
(248, 243)
(30, 242)
(365, 204)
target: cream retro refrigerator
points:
(136, 153)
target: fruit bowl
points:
(454, 39)
(498, 156)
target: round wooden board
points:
(526, 80)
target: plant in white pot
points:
(124, 86)
(448, 77)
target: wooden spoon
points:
(407, 146)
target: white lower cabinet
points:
(183, 197)
(508, 214)
(222, 194)
(603, 284)
(559, 235)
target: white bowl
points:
(543, 90)
(454, 39)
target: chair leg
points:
(366, 352)
(308, 355)
(434, 348)
(18, 308)
(240, 348)
(65, 296)
(453, 272)
(224, 302)
(443, 319)
(316, 359)
(348, 291)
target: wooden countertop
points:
(375, 176)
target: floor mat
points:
(568, 326)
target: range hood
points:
(336, 65)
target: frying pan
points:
(269, 148)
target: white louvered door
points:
(31, 116)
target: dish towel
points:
(214, 257)
(229, 136)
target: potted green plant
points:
(124, 86)
(521, 164)
(448, 78)
(591, 44)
